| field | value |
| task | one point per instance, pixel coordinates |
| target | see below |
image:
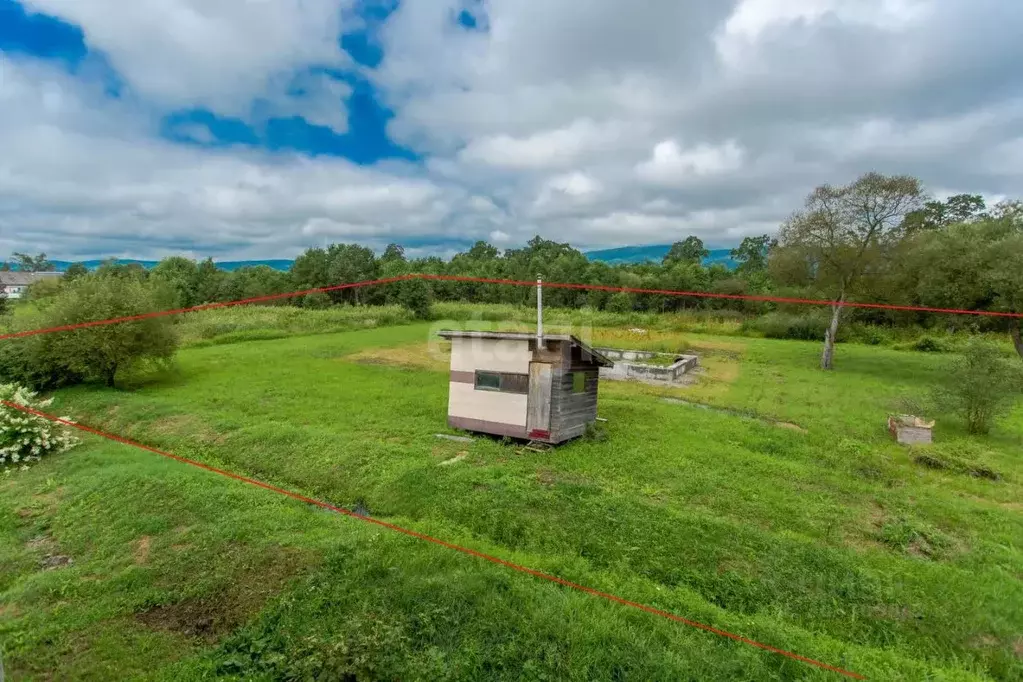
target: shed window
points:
(579, 382)
(502, 381)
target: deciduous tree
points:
(845, 232)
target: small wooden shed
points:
(521, 385)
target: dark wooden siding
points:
(572, 412)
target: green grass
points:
(833, 542)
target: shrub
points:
(980, 386)
(91, 353)
(25, 438)
(929, 344)
(806, 327)
(317, 300)
(621, 303)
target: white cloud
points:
(601, 123)
(218, 54)
(673, 165)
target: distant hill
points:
(229, 265)
(655, 253)
(624, 254)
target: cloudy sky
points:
(257, 128)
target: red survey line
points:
(734, 297)
(485, 280)
(427, 538)
(205, 306)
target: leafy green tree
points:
(393, 253)
(980, 386)
(416, 296)
(348, 264)
(752, 254)
(690, 250)
(74, 271)
(28, 263)
(93, 353)
(934, 215)
(209, 282)
(180, 275)
(844, 232)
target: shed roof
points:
(528, 336)
(16, 278)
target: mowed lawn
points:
(785, 515)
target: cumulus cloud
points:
(81, 177)
(601, 123)
(218, 54)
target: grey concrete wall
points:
(629, 365)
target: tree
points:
(180, 275)
(27, 263)
(93, 353)
(689, 251)
(844, 232)
(100, 352)
(970, 266)
(935, 215)
(980, 386)
(752, 254)
(416, 296)
(74, 271)
(393, 252)
(209, 281)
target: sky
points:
(244, 129)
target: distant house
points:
(513, 384)
(15, 283)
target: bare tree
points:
(845, 232)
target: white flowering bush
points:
(25, 438)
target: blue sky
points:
(254, 130)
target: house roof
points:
(14, 278)
(527, 336)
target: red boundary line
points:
(421, 536)
(484, 280)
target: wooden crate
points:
(909, 430)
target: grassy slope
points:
(832, 543)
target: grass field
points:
(771, 504)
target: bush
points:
(806, 327)
(929, 344)
(25, 438)
(621, 303)
(91, 353)
(317, 300)
(980, 386)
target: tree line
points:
(878, 239)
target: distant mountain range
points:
(625, 254)
(655, 253)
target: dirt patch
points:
(142, 550)
(48, 550)
(1017, 647)
(419, 356)
(240, 595)
(205, 619)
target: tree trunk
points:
(1017, 336)
(111, 373)
(827, 357)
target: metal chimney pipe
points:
(539, 313)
